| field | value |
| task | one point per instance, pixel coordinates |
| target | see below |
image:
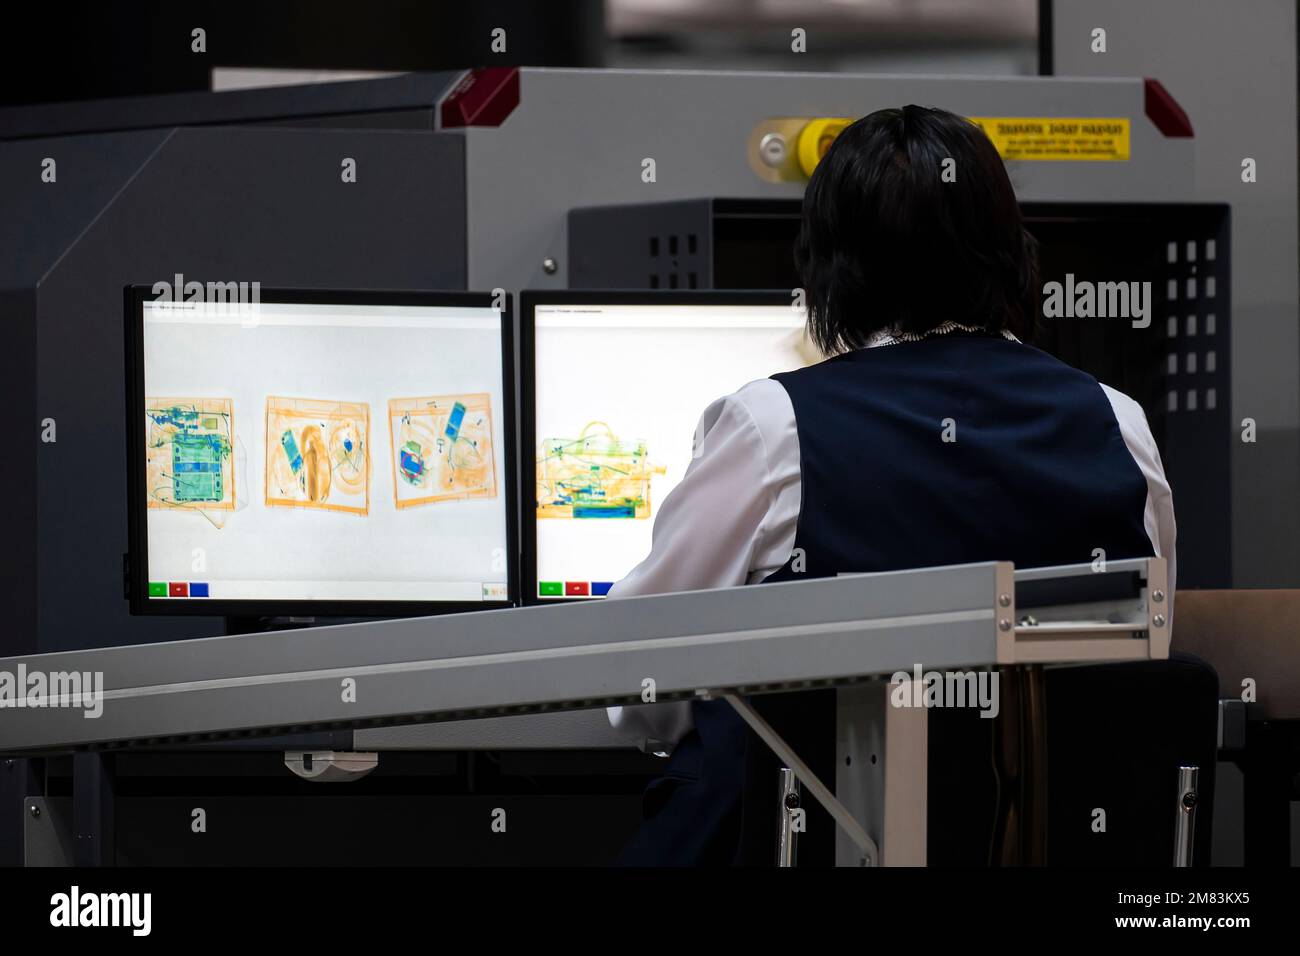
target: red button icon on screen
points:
(178, 589)
(576, 588)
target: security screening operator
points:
(932, 435)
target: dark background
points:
(59, 51)
(79, 50)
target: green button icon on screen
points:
(550, 589)
(157, 588)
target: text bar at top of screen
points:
(669, 316)
(317, 315)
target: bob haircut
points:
(887, 245)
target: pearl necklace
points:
(893, 338)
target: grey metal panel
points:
(893, 594)
(423, 118)
(435, 689)
(608, 246)
(574, 656)
(408, 91)
(48, 835)
(19, 781)
(1232, 67)
(560, 730)
(578, 139)
(1122, 566)
(256, 204)
(41, 220)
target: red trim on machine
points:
(483, 97)
(1163, 110)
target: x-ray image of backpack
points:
(596, 475)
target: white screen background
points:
(648, 372)
(344, 353)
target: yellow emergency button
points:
(815, 138)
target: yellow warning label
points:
(1054, 138)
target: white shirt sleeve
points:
(730, 521)
(1159, 517)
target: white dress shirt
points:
(732, 519)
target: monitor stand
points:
(257, 625)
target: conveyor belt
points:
(746, 640)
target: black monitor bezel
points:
(137, 578)
(529, 299)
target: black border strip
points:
(1046, 63)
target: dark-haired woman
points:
(932, 435)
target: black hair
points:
(887, 244)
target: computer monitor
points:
(613, 386)
(319, 452)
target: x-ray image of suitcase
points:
(596, 475)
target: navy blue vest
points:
(956, 449)
(1034, 470)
